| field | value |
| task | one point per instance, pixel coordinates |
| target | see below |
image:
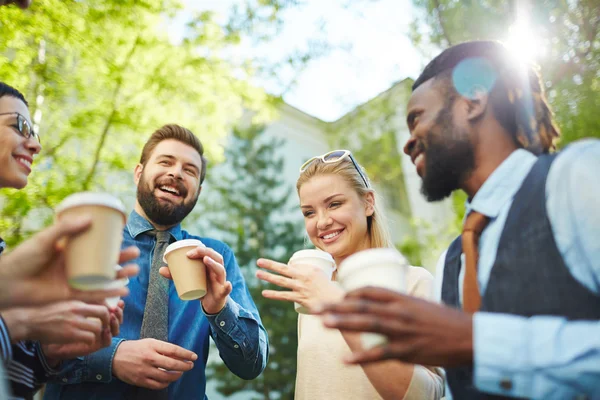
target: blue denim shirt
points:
(544, 357)
(237, 330)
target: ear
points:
(137, 173)
(477, 102)
(369, 203)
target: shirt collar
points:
(136, 225)
(501, 186)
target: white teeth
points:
(169, 189)
(331, 235)
(24, 162)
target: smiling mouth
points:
(24, 162)
(331, 236)
(170, 190)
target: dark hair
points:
(179, 133)
(7, 90)
(516, 93)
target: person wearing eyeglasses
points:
(342, 216)
(42, 320)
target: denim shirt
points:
(543, 357)
(237, 330)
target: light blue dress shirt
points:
(237, 330)
(543, 357)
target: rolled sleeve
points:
(224, 325)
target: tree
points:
(100, 77)
(251, 210)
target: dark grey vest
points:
(529, 276)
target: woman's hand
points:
(308, 284)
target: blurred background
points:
(265, 84)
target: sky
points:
(371, 51)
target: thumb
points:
(65, 227)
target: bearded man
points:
(163, 348)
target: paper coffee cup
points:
(317, 258)
(188, 275)
(116, 284)
(382, 267)
(92, 255)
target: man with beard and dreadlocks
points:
(163, 347)
(521, 285)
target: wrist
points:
(211, 308)
(17, 324)
(52, 360)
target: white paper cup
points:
(91, 255)
(188, 275)
(317, 258)
(382, 267)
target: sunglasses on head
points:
(333, 157)
(23, 126)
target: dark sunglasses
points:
(334, 157)
(23, 127)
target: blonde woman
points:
(342, 216)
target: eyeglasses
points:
(333, 157)
(23, 126)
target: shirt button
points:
(65, 380)
(222, 323)
(506, 384)
(236, 346)
(99, 377)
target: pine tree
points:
(250, 207)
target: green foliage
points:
(100, 76)
(250, 209)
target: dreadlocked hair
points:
(516, 92)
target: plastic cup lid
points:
(182, 243)
(91, 199)
(314, 253)
(115, 284)
(370, 257)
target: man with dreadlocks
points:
(521, 285)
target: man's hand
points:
(63, 322)
(34, 273)
(151, 363)
(418, 331)
(57, 352)
(217, 286)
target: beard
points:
(449, 158)
(163, 213)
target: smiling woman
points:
(342, 216)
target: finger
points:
(217, 269)
(65, 227)
(363, 357)
(278, 280)
(280, 268)
(165, 272)
(94, 311)
(117, 312)
(281, 295)
(200, 252)
(128, 254)
(163, 376)
(115, 326)
(128, 271)
(358, 306)
(377, 294)
(154, 384)
(174, 351)
(172, 364)
(367, 323)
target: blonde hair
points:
(377, 229)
